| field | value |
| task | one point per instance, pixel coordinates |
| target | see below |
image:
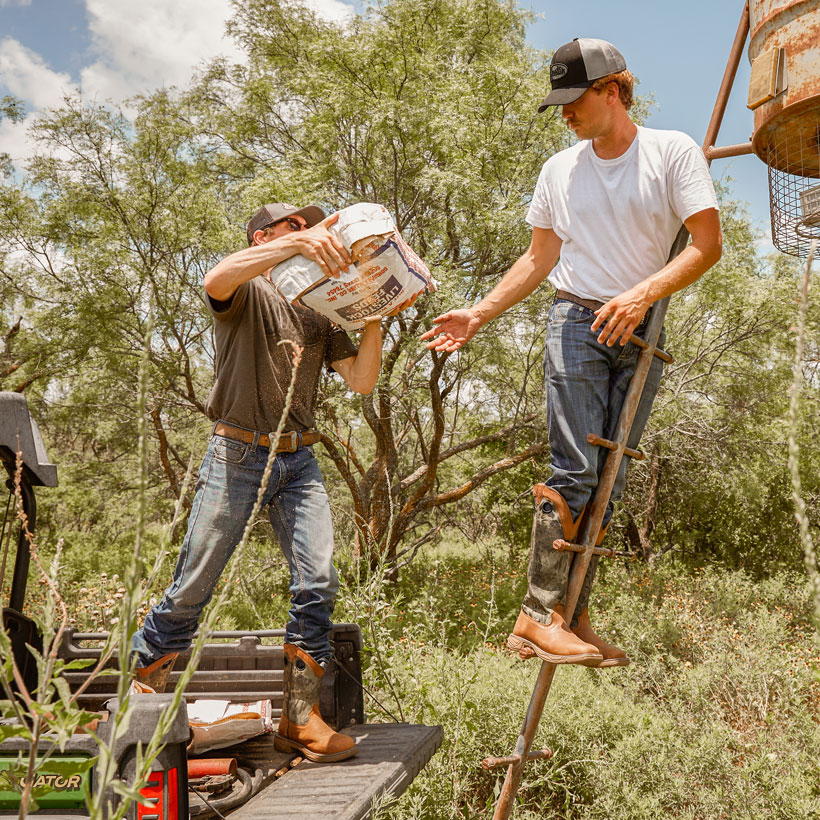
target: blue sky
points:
(107, 48)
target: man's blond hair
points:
(625, 82)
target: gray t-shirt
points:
(253, 370)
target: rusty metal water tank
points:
(784, 94)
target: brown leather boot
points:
(301, 728)
(553, 642)
(612, 655)
(156, 675)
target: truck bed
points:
(247, 666)
(390, 756)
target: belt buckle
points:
(294, 441)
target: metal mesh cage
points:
(793, 156)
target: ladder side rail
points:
(512, 780)
(591, 525)
(589, 529)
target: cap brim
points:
(312, 214)
(562, 96)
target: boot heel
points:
(519, 646)
(282, 744)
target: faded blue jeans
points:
(586, 383)
(299, 512)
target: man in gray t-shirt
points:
(255, 329)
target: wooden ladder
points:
(585, 546)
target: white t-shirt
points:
(618, 217)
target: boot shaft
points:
(548, 569)
(156, 675)
(302, 681)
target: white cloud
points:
(134, 49)
(9, 3)
(157, 46)
(162, 43)
(24, 73)
(334, 10)
(14, 140)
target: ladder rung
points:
(611, 445)
(565, 546)
(661, 354)
(497, 762)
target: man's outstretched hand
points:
(452, 330)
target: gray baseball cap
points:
(277, 211)
(575, 66)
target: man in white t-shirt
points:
(604, 214)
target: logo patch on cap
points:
(558, 70)
(288, 205)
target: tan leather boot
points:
(156, 675)
(301, 728)
(553, 642)
(612, 655)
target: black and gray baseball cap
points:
(575, 67)
(277, 211)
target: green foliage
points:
(425, 107)
(429, 108)
(716, 717)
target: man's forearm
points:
(687, 267)
(619, 317)
(452, 330)
(222, 281)
(362, 373)
(517, 284)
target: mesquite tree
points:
(428, 108)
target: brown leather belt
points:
(288, 442)
(589, 304)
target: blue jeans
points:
(299, 512)
(586, 383)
